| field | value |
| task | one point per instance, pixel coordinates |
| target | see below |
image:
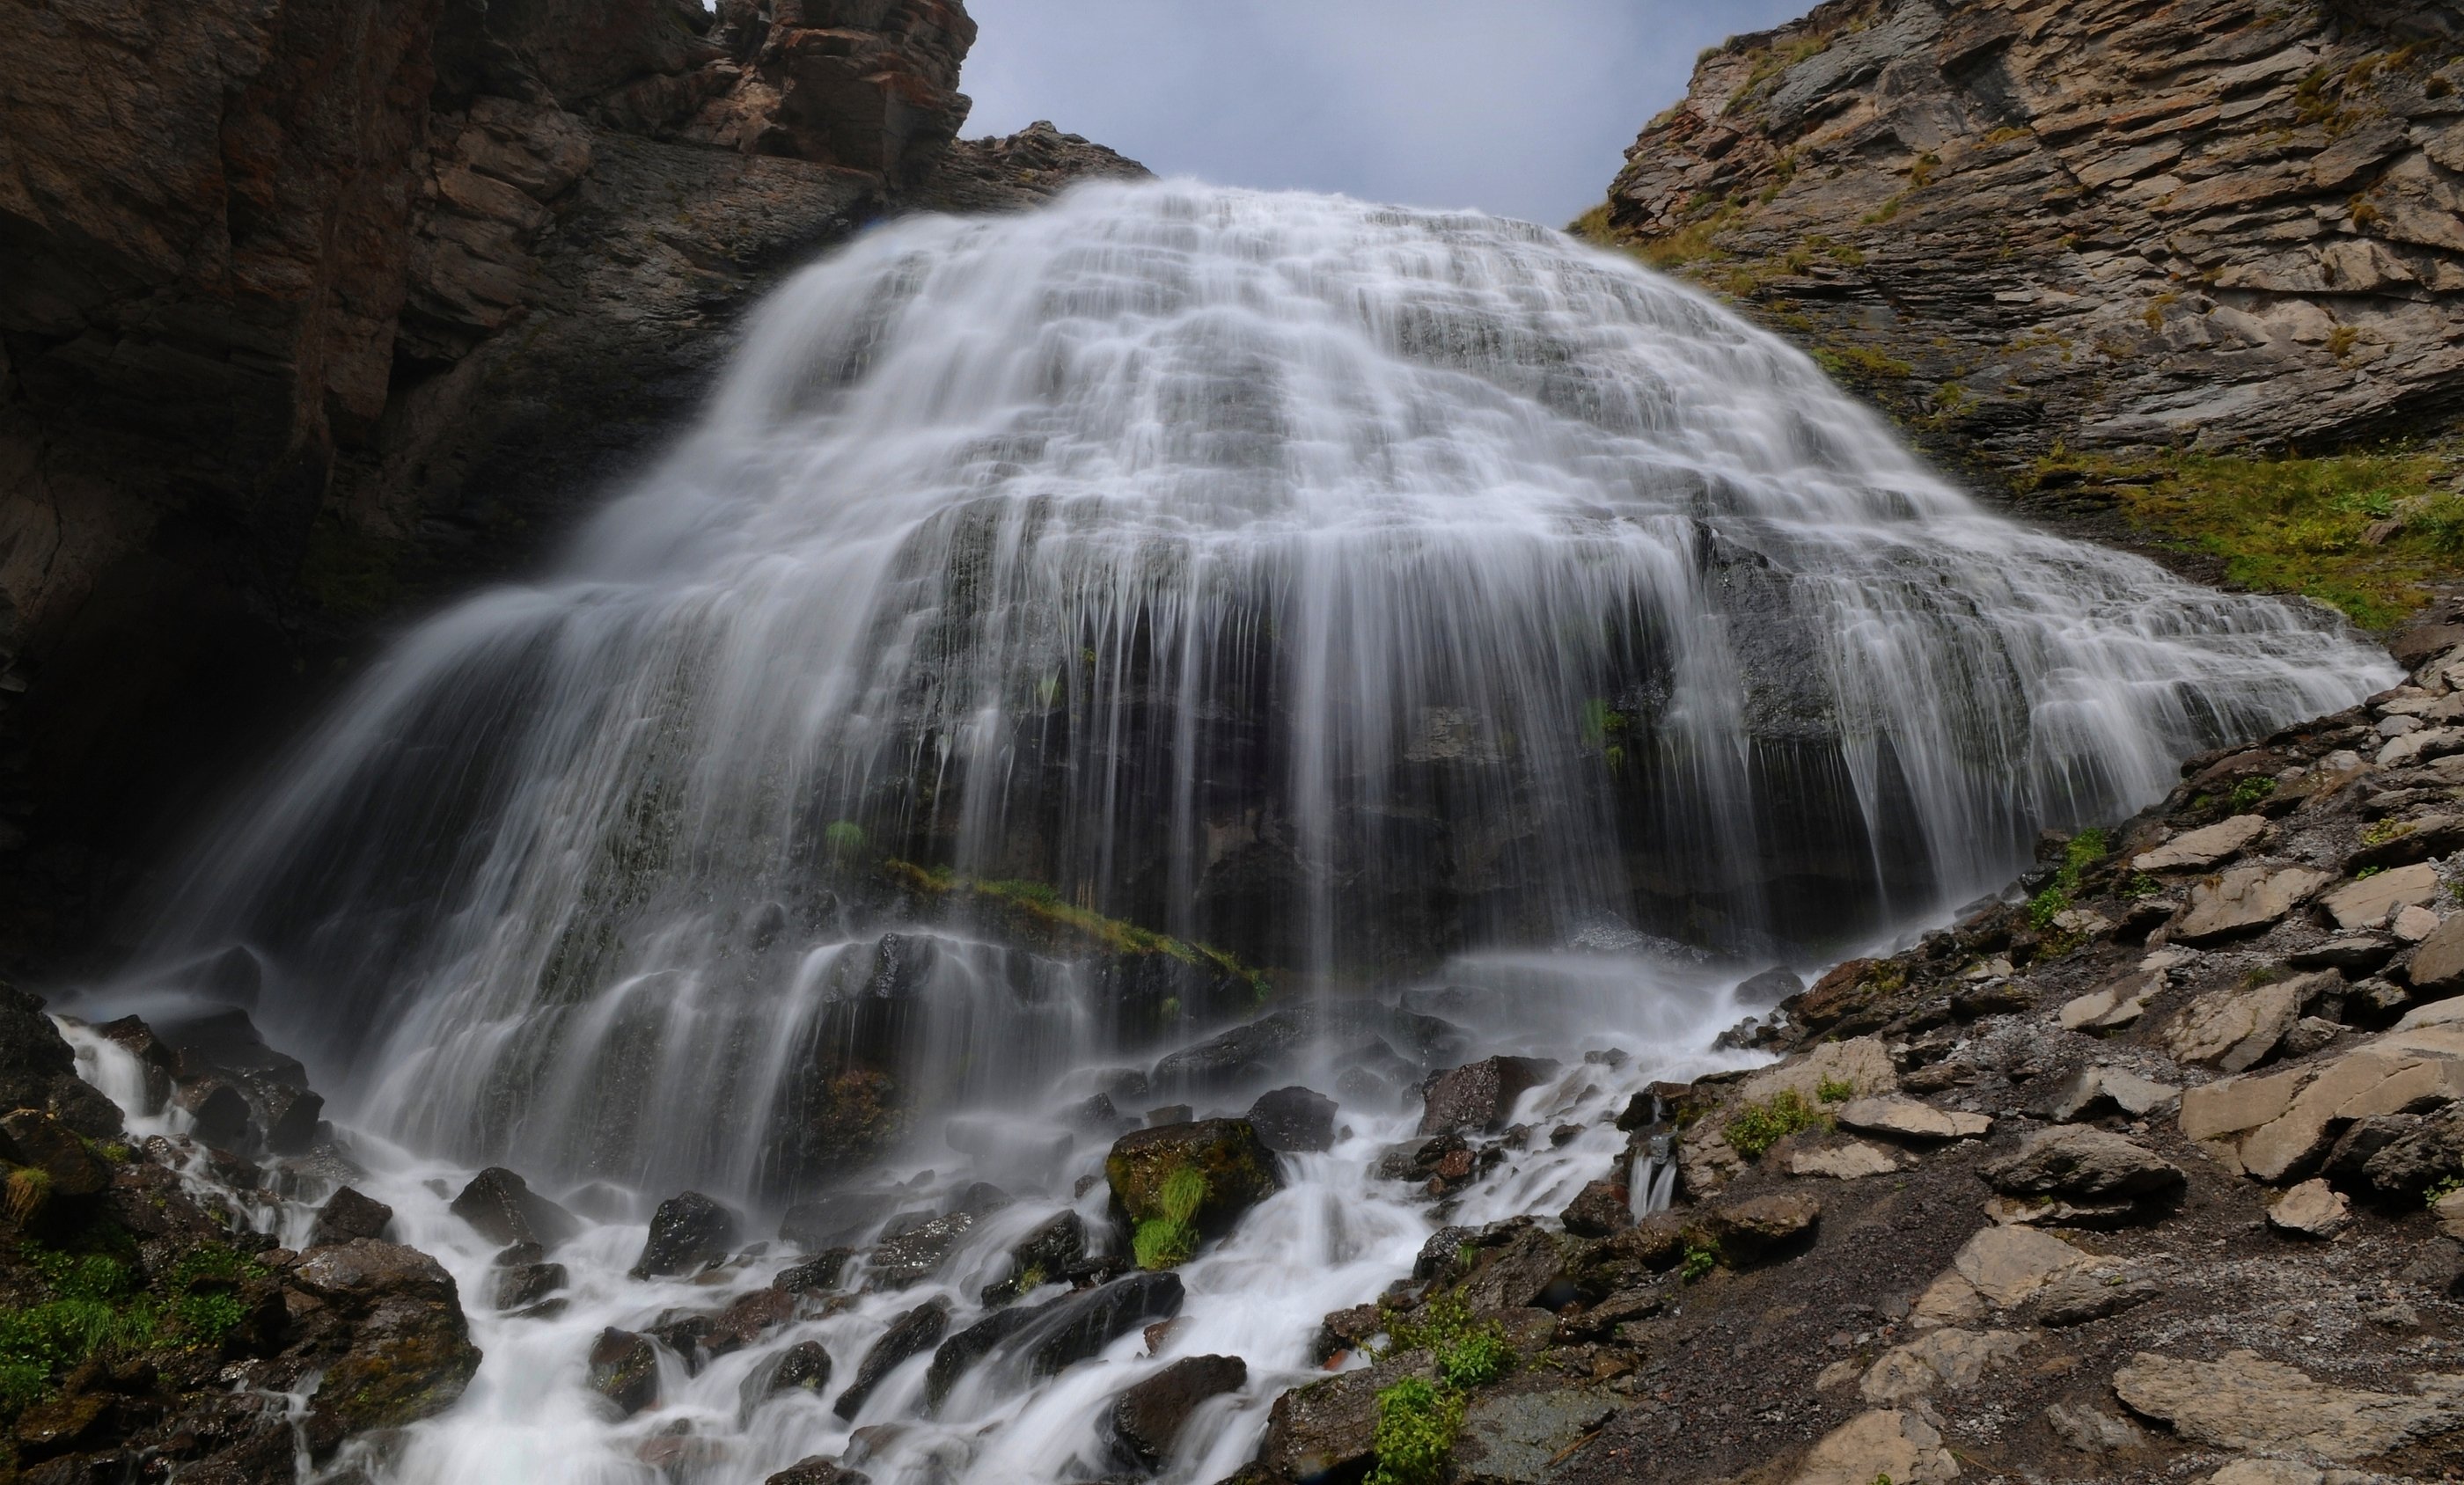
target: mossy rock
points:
(1227, 1153)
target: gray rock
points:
(1481, 1096)
(346, 1215)
(1145, 1420)
(2081, 1162)
(502, 1209)
(1293, 1119)
(689, 1232)
(2092, 1430)
(911, 1334)
(624, 1370)
(915, 1254)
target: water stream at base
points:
(1347, 590)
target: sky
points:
(1520, 107)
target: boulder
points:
(2113, 1006)
(1328, 1430)
(1049, 1250)
(2356, 954)
(2197, 850)
(31, 1137)
(1911, 1118)
(38, 1069)
(1515, 1265)
(2238, 1029)
(2095, 1092)
(1145, 1421)
(2283, 1125)
(911, 1334)
(347, 1214)
(803, 1368)
(2082, 1294)
(1519, 1429)
(2368, 902)
(689, 1232)
(1601, 1207)
(1481, 1096)
(962, 1352)
(1889, 1443)
(915, 1254)
(2244, 901)
(2082, 1163)
(814, 1469)
(521, 1285)
(2000, 1268)
(504, 1209)
(2092, 1430)
(1294, 1120)
(1849, 1160)
(2436, 968)
(1760, 1226)
(815, 1276)
(747, 1319)
(1226, 1152)
(2248, 1403)
(1248, 1055)
(1861, 1062)
(1947, 1359)
(396, 1318)
(2313, 1209)
(624, 1370)
(1080, 1326)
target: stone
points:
(1944, 1360)
(2094, 1092)
(2436, 968)
(915, 1254)
(2113, 1006)
(1328, 1430)
(2238, 1029)
(1226, 1152)
(2420, 747)
(2412, 924)
(2196, 850)
(2371, 901)
(1889, 1443)
(815, 1276)
(1515, 1264)
(2092, 1430)
(347, 1214)
(624, 1370)
(1861, 1062)
(2084, 1294)
(2082, 1163)
(387, 1326)
(1760, 1226)
(1081, 1326)
(2246, 1403)
(1518, 1429)
(1294, 1120)
(1601, 1207)
(1049, 1250)
(1848, 1161)
(2280, 1126)
(2243, 901)
(815, 1469)
(1911, 1118)
(910, 1335)
(522, 1285)
(2449, 1210)
(1481, 1096)
(1998, 1269)
(2356, 954)
(962, 1352)
(2313, 1209)
(504, 1209)
(34, 1138)
(1145, 1420)
(689, 1232)
(803, 1368)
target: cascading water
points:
(1342, 588)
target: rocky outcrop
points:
(2089, 223)
(320, 310)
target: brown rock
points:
(1599, 1208)
(1147, 1419)
(1481, 1095)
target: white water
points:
(1345, 586)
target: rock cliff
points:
(312, 309)
(2100, 225)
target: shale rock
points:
(2284, 1125)
(2000, 1268)
(504, 1209)
(2113, 1006)
(1886, 1444)
(2197, 850)
(2095, 1091)
(1911, 1118)
(2238, 1029)
(1601, 1207)
(2436, 968)
(2245, 1402)
(2244, 901)
(2313, 1209)
(1945, 1360)
(1145, 1420)
(689, 1233)
(2371, 901)
(1848, 1161)
(2078, 1163)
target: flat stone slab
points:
(1939, 1361)
(2115, 1006)
(1886, 1444)
(2196, 850)
(2244, 901)
(2247, 1403)
(2272, 1124)
(2367, 902)
(1911, 1118)
(1852, 1161)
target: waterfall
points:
(1066, 634)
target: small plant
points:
(2342, 339)
(2440, 1191)
(2386, 830)
(1168, 1239)
(2368, 872)
(845, 838)
(1417, 1424)
(1759, 1126)
(1468, 1353)
(28, 1189)
(2248, 793)
(1698, 1262)
(1835, 1090)
(2140, 886)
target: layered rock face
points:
(312, 309)
(2104, 224)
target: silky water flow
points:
(1293, 604)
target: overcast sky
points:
(1522, 107)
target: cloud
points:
(1522, 107)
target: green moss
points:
(2300, 525)
(1758, 1125)
(1038, 905)
(1170, 1238)
(1861, 361)
(1468, 1353)
(2248, 793)
(1417, 1424)
(1834, 1090)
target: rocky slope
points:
(2067, 238)
(316, 309)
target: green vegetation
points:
(2386, 830)
(1169, 1238)
(2247, 793)
(1468, 1352)
(2440, 1191)
(1698, 1263)
(1834, 1090)
(1417, 1419)
(1417, 1424)
(1043, 908)
(1757, 1127)
(2085, 850)
(94, 1302)
(1862, 361)
(2364, 532)
(844, 837)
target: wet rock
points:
(1080, 1326)
(2081, 1162)
(1226, 1152)
(525, 1284)
(1294, 1119)
(1328, 1430)
(747, 1319)
(347, 1214)
(502, 1209)
(815, 1276)
(1047, 1252)
(2313, 1209)
(803, 1368)
(1439, 1164)
(962, 1352)
(1250, 1053)
(915, 1254)
(2197, 850)
(911, 1334)
(1911, 1118)
(1516, 1265)
(218, 1112)
(817, 1471)
(1145, 1420)
(1343, 1331)
(1168, 1114)
(395, 1317)
(2244, 901)
(1481, 1096)
(1518, 1431)
(1761, 1227)
(2246, 1403)
(2092, 1430)
(1770, 987)
(689, 1232)
(2096, 1092)
(624, 1370)
(2371, 901)
(1848, 1159)
(31, 1137)
(1886, 1444)
(1601, 1207)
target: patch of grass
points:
(2247, 793)
(2386, 830)
(1834, 1090)
(1853, 362)
(2439, 1190)
(1417, 1424)
(1757, 1127)
(1468, 1352)
(1170, 1238)
(2297, 525)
